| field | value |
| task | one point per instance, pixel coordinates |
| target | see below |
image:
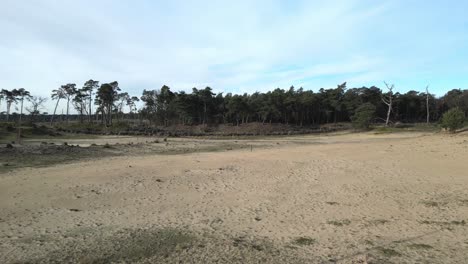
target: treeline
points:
(103, 103)
(295, 106)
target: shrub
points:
(363, 116)
(453, 119)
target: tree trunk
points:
(8, 111)
(109, 109)
(427, 104)
(388, 115)
(204, 113)
(68, 106)
(90, 102)
(388, 102)
(19, 123)
(21, 111)
(55, 110)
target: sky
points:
(234, 46)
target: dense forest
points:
(105, 103)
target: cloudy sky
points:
(234, 46)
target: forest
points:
(104, 103)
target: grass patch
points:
(420, 246)
(449, 225)
(107, 244)
(339, 222)
(258, 247)
(126, 246)
(388, 252)
(33, 132)
(304, 241)
(238, 241)
(47, 155)
(385, 130)
(378, 221)
(94, 127)
(398, 128)
(431, 203)
(242, 242)
(462, 222)
(43, 155)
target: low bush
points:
(453, 119)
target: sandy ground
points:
(353, 198)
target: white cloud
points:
(239, 46)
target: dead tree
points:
(388, 100)
(427, 103)
(37, 103)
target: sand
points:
(345, 198)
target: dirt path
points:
(393, 198)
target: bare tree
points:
(388, 100)
(427, 103)
(37, 103)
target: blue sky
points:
(234, 46)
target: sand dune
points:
(353, 198)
